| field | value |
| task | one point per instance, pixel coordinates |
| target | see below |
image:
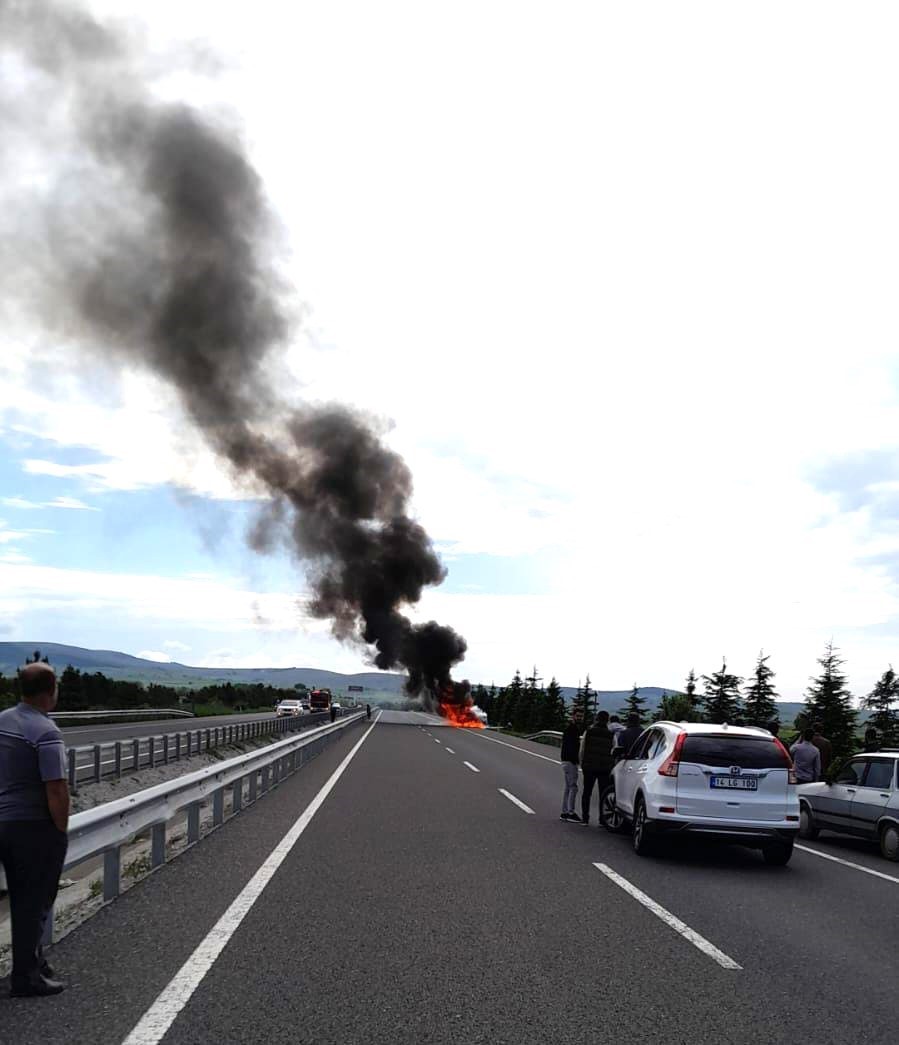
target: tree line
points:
(526, 706)
(94, 691)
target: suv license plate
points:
(735, 783)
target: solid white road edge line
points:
(474, 769)
(517, 801)
(156, 1021)
(846, 863)
(669, 919)
(524, 751)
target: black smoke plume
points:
(153, 239)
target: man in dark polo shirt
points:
(34, 819)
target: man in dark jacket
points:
(628, 735)
(596, 760)
(569, 758)
(823, 745)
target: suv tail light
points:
(791, 778)
(672, 763)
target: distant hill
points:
(135, 669)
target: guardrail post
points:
(193, 822)
(237, 796)
(112, 870)
(73, 771)
(218, 807)
(253, 787)
(165, 749)
(118, 759)
(157, 850)
(177, 747)
(263, 779)
(97, 767)
(135, 754)
(207, 739)
(152, 751)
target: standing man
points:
(629, 734)
(823, 745)
(368, 711)
(596, 760)
(569, 757)
(806, 758)
(34, 819)
(616, 728)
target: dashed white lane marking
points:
(668, 918)
(162, 1013)
(436, 741)
(514, 747)
(847, 863)
(517, 801)
(474, 769)
(449, 750)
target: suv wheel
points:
(807, 826)
(778, 854)
(642, 839)
(610, 816)
(889, 842)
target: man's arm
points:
(58, 802)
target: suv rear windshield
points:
(746, 752)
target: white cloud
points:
(177, 647)
(57, 502)
(160, 658)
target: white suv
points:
(729, 783)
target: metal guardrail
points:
(86, 716)
(106, 829)
(90, 763)
(554, 733)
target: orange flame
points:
(461, 716)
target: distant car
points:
(863, 800)
(725, 783)
(288, 708)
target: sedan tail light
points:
(672, 763)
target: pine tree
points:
(721, 702)
(676, 707)
(582, 701)
(881, 700)
(514, 692)
(829, 702)
(759, 696)
(690, 693)
(554, 706)
(532, 712)
(635, 704)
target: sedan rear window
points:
(745, 752)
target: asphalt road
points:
(76, 736)
(434, 896)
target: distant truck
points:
(320, 700)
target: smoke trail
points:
(156, 241)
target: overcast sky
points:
(621, 278)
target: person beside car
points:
(628, 735)
(596, 760)
(570, 759)
(806, 758)
(823, 745)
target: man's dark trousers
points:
(591, 777)
(32, 853)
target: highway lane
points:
(76, 736)
(452, 914)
